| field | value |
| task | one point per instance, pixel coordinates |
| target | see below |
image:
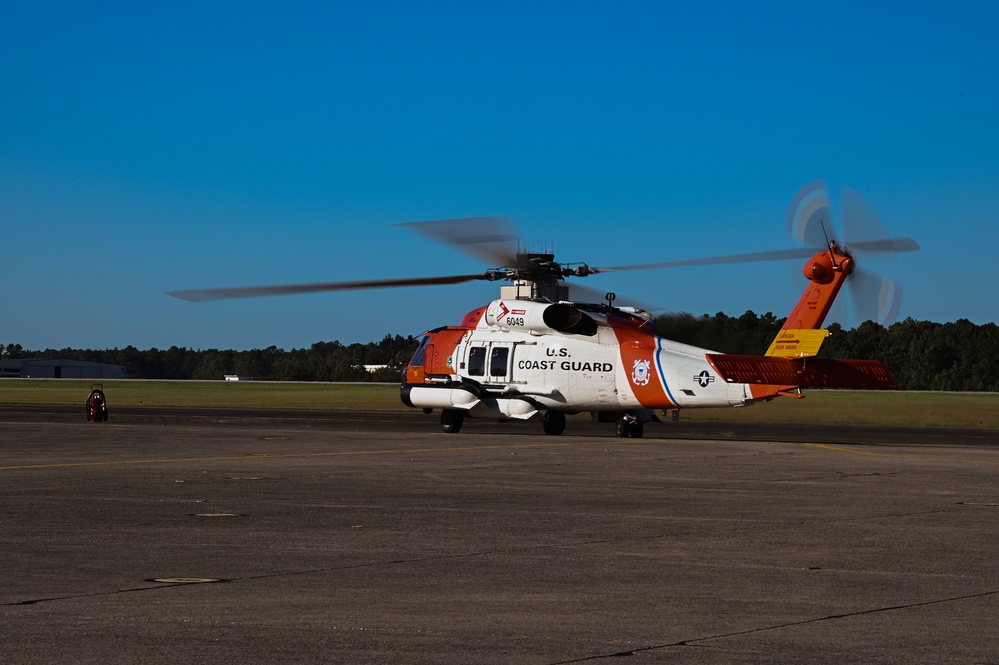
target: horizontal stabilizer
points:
(803, 372)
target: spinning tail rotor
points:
(810, 223)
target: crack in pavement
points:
(421, 559)
(762, 629)
(328, 569)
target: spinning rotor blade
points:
(875, 297)
(886, 245)
(207, 295)
(585, 294)
(864, 232)
(809, 217)
(809, 221)
(861, 224)
(775, 255)
(492, 240)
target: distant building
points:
(237, 377)
(59, 369)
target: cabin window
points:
(477, 361)
(497, 361)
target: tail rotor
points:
(874, 297)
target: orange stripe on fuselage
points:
(638, 351)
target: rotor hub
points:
(823, 267)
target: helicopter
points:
(535, 354)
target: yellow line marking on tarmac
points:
(342, 453)
(916, 458)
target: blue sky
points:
(148, 147)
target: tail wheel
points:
(630, 426)
(554, 423)
(451, 421)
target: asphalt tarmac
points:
(167, 536)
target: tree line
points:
(323, 361)
(921, 355)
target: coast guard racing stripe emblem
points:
(640, 375)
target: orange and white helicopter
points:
(533, 353)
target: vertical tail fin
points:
(826, 272)
(802, 334)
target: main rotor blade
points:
(775, 255)
(207, 295)
(492, 240)
(863, 230)
(584, 294)
(904, 244)
(894, 245)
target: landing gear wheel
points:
(554, 423)
(451, 421)
(630, 426)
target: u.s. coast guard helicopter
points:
(533, 353)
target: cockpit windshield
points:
(420, 356)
